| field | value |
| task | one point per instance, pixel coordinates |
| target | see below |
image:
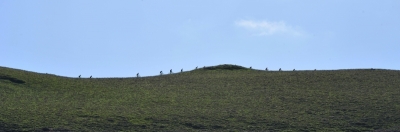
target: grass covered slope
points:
(218, 98)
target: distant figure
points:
(160, 72)
(280, 69)
(182, 70)
(315, 69)
(196, 67)
(250, 67)
(79, 76)
(266, 69)
(372, 68)
(137, 75)
(293, 69)
(90, 76)
(204, 67)
(170, 71)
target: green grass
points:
(219, 98)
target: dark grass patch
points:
(225, 67)
(8, 127)
(45, 129)
(390, 129)
(12, 79)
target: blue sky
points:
(121, 38)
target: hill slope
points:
(219, 98)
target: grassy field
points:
(219, 98)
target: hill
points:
(218, 98)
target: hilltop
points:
(216, 98)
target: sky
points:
(121, 38)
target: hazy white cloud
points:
(269, 28)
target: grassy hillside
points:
(219, 98)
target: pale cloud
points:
(266, 28)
